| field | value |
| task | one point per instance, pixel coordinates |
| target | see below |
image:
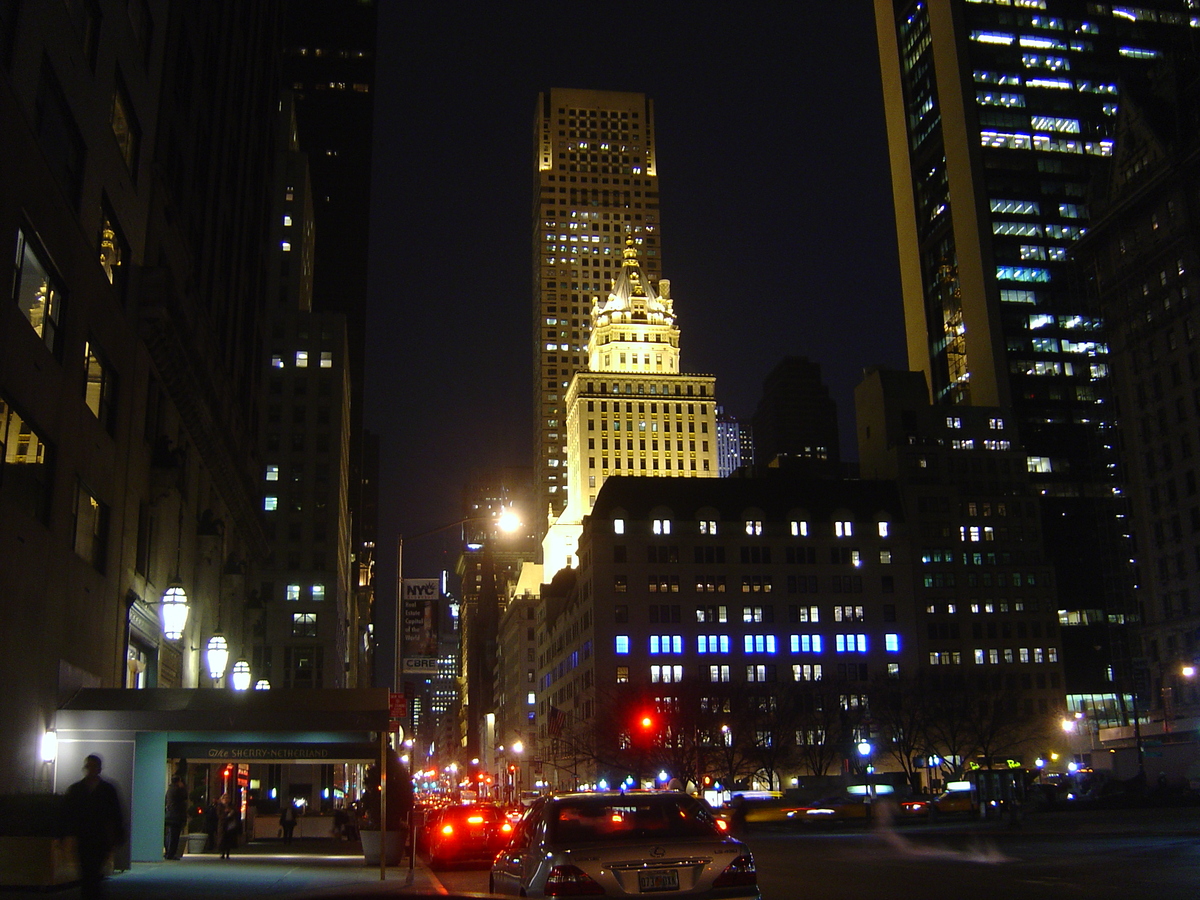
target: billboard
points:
(419, 597)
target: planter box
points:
(371, 847)
(36, 862)
(195, 842)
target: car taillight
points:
(506, 827)
(570, 881)
(447, 829)
(739, 872)
(722, 825)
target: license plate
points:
(658, 880)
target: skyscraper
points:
(595, 183)
(999, 117)
(631, 410)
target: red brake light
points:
(571, 881)
(475, 820)
(506, 827)
(739, 872)
(447, 829)
(722, 825)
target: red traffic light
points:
(647, 723)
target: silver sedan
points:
(623, 844)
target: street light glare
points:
(509, 521)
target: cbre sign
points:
(419, 599)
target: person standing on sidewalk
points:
(91, 814)
(175, 816)
(229, 826)
(287, 820)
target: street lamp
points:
(507, 521)
(218, 656)
(240, 676)
(173, 610)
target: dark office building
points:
(999, 118)
(138, 141)
(1140, 265)
(795, 423)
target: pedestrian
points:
(91, 815)
(175, 816)
(229, 826)
(287, 820)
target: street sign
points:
(397, 706)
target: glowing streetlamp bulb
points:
(218, 656)
(508, 521)
(240, 677)
(173, 611)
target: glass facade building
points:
(1001, 115)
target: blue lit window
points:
(759, 643)
(891, 643)
(622, 643)
(807, 643)
(851, 643)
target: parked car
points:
(621, 844)
(466, 834)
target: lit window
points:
(661, 526)
(531, 698)
(618, 526)
(799, 529)
(270, 504)
(39, 296)
(883, 529)
(301, 359)
(287, 246)
(272, 473)
(276, 361)
(891, 643)
(326, 359)
(304, 624)
(287, 221)
(708, 526)
(293, 592)
(754, 527)
(622, 643)
(843, 529)
(318, 593)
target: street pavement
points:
(316, 869)
(324, 869)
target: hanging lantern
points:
(173, 611)
(218, 656)
(240, 677)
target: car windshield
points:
(655, 818)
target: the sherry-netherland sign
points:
(419, 604)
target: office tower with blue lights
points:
(1000, 117)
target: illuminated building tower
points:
(595, 182)
(999, 118)
(631, 412)
(735, 443)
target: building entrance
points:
(224, 742)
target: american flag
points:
(558, 719)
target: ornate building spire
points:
(633, 329)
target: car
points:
(957, 798)
(466, 834)
(618, 844)
(837, 808)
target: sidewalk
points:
(316, 868)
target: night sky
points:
(777, 223)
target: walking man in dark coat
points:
(91, 814)
(175, 817)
